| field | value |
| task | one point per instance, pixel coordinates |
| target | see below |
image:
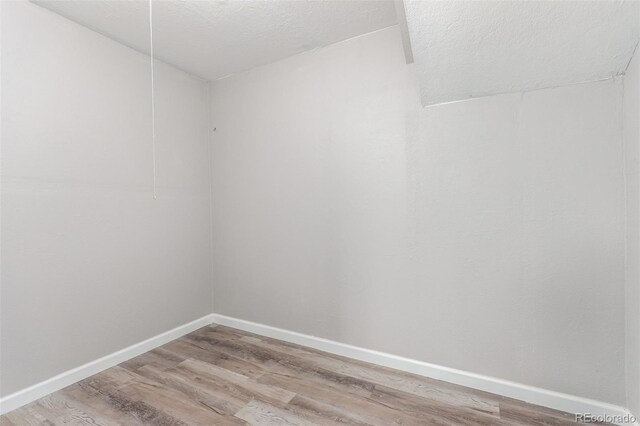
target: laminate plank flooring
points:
(221, 376)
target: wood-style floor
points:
(218, 376)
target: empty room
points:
(319, 212)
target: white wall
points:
(91, 263)
(341, 209)
(631, 133)
(485, 235)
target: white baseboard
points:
(32, 393)
(534, 395)
(531, 394)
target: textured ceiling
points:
(467, 49)
(462, 49)
(212, 39)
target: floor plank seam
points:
(219, 375)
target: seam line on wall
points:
(626, 237)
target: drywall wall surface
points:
(91, 263)
(485, 235)
(474, 49)
(0, 187)
(631, 132)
